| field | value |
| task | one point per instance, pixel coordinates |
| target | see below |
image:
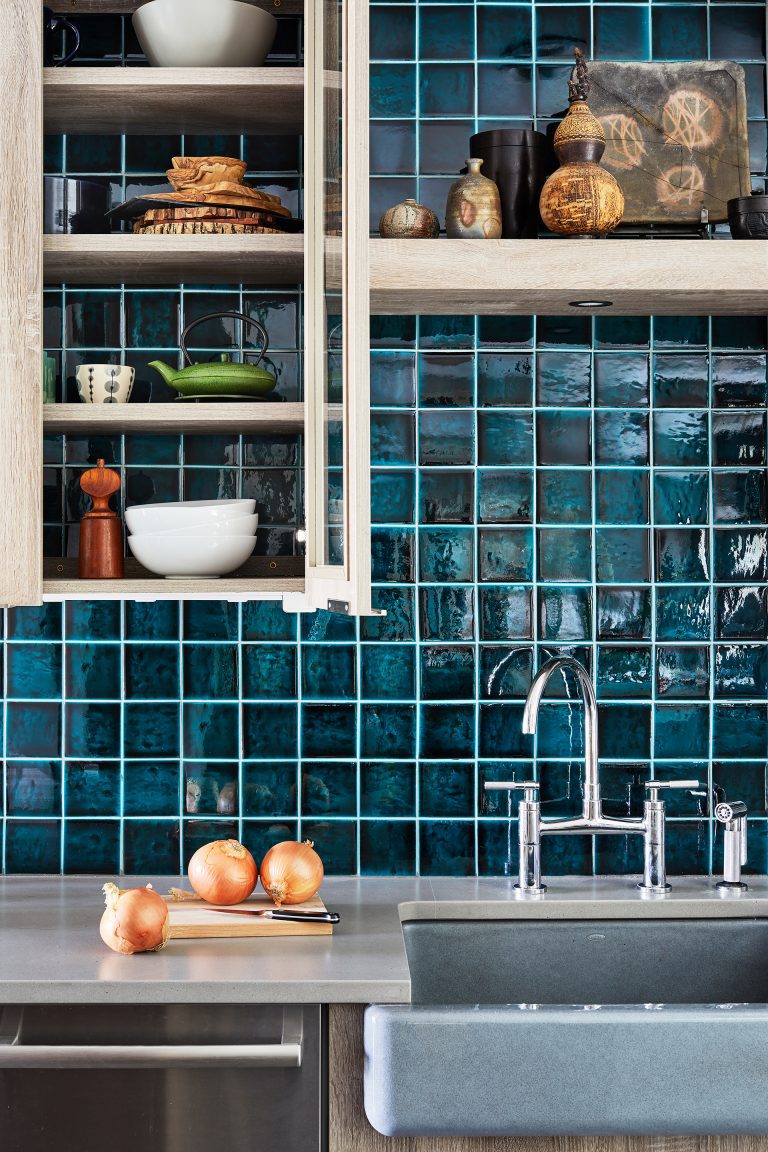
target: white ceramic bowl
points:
(198, 556)
(185, 514)
(204, 33)
(213, 530)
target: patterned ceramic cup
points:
(105, 383)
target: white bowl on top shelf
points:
(236, 526)
(185, 514)
(204, 33)
(200, 557)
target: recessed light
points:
(590, 303)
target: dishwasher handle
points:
(15, 1054)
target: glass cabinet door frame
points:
(336, 268)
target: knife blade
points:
(282, 914)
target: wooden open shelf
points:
(73, 7)
(175, 417)
(121, 257)
(159, 101)
(530, 277)
(252, 581)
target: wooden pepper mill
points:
(101, 529)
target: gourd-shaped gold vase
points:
(580, 198)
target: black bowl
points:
(748, 217)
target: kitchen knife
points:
(283, 914)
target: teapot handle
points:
(226, 316)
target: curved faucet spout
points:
(592, 804)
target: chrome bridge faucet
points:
(650, 826)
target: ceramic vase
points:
(473, 211)
(409, 221)
(580, 198)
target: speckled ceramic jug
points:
(409, 221)
(473, 211)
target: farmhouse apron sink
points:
(574, 1026)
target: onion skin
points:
(134, 920)
(291, 872)
(223, 872)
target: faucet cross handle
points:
(529, 788)
(653, 786)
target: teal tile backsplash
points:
(540, 485)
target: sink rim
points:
(588, 898)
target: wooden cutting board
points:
(196, 920)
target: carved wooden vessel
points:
(580, 198)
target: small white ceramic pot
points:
(204, 33)
(105, 383)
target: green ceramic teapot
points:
(222, 377)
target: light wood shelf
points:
(544, 277)
(174, 417)
(60, 582)
(121, 257)
(75, 7)
(159, 101)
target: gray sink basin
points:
(575, 1027)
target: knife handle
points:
(314, 917)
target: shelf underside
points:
(251, 582)
(121, 257)
(175, 417)
(545, 277)
(159, 101)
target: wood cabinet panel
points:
(21, 277)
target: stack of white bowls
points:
(199, 538)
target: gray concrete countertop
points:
(51, 952)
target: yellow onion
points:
(134, 920)
(291, 872)
(223, 872)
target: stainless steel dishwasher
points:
(164, 1078)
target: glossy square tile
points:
(387, 789)
(564, 554)
(447, 730)
(447, 672)
(505, 554)
(622, 555)
(682, 555)
(505, 497)
(683, 613)
(387, 848)
(564, 496)
(563, 438)
(446, 555)
(565, 614)
(388, 730)
(564, 379)
(504, 438)
(622, 496)
(504, 379)
(741, 670)
(388, 672)
(681, 497)
(505, 672)
(624, 614)
(446, 613)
